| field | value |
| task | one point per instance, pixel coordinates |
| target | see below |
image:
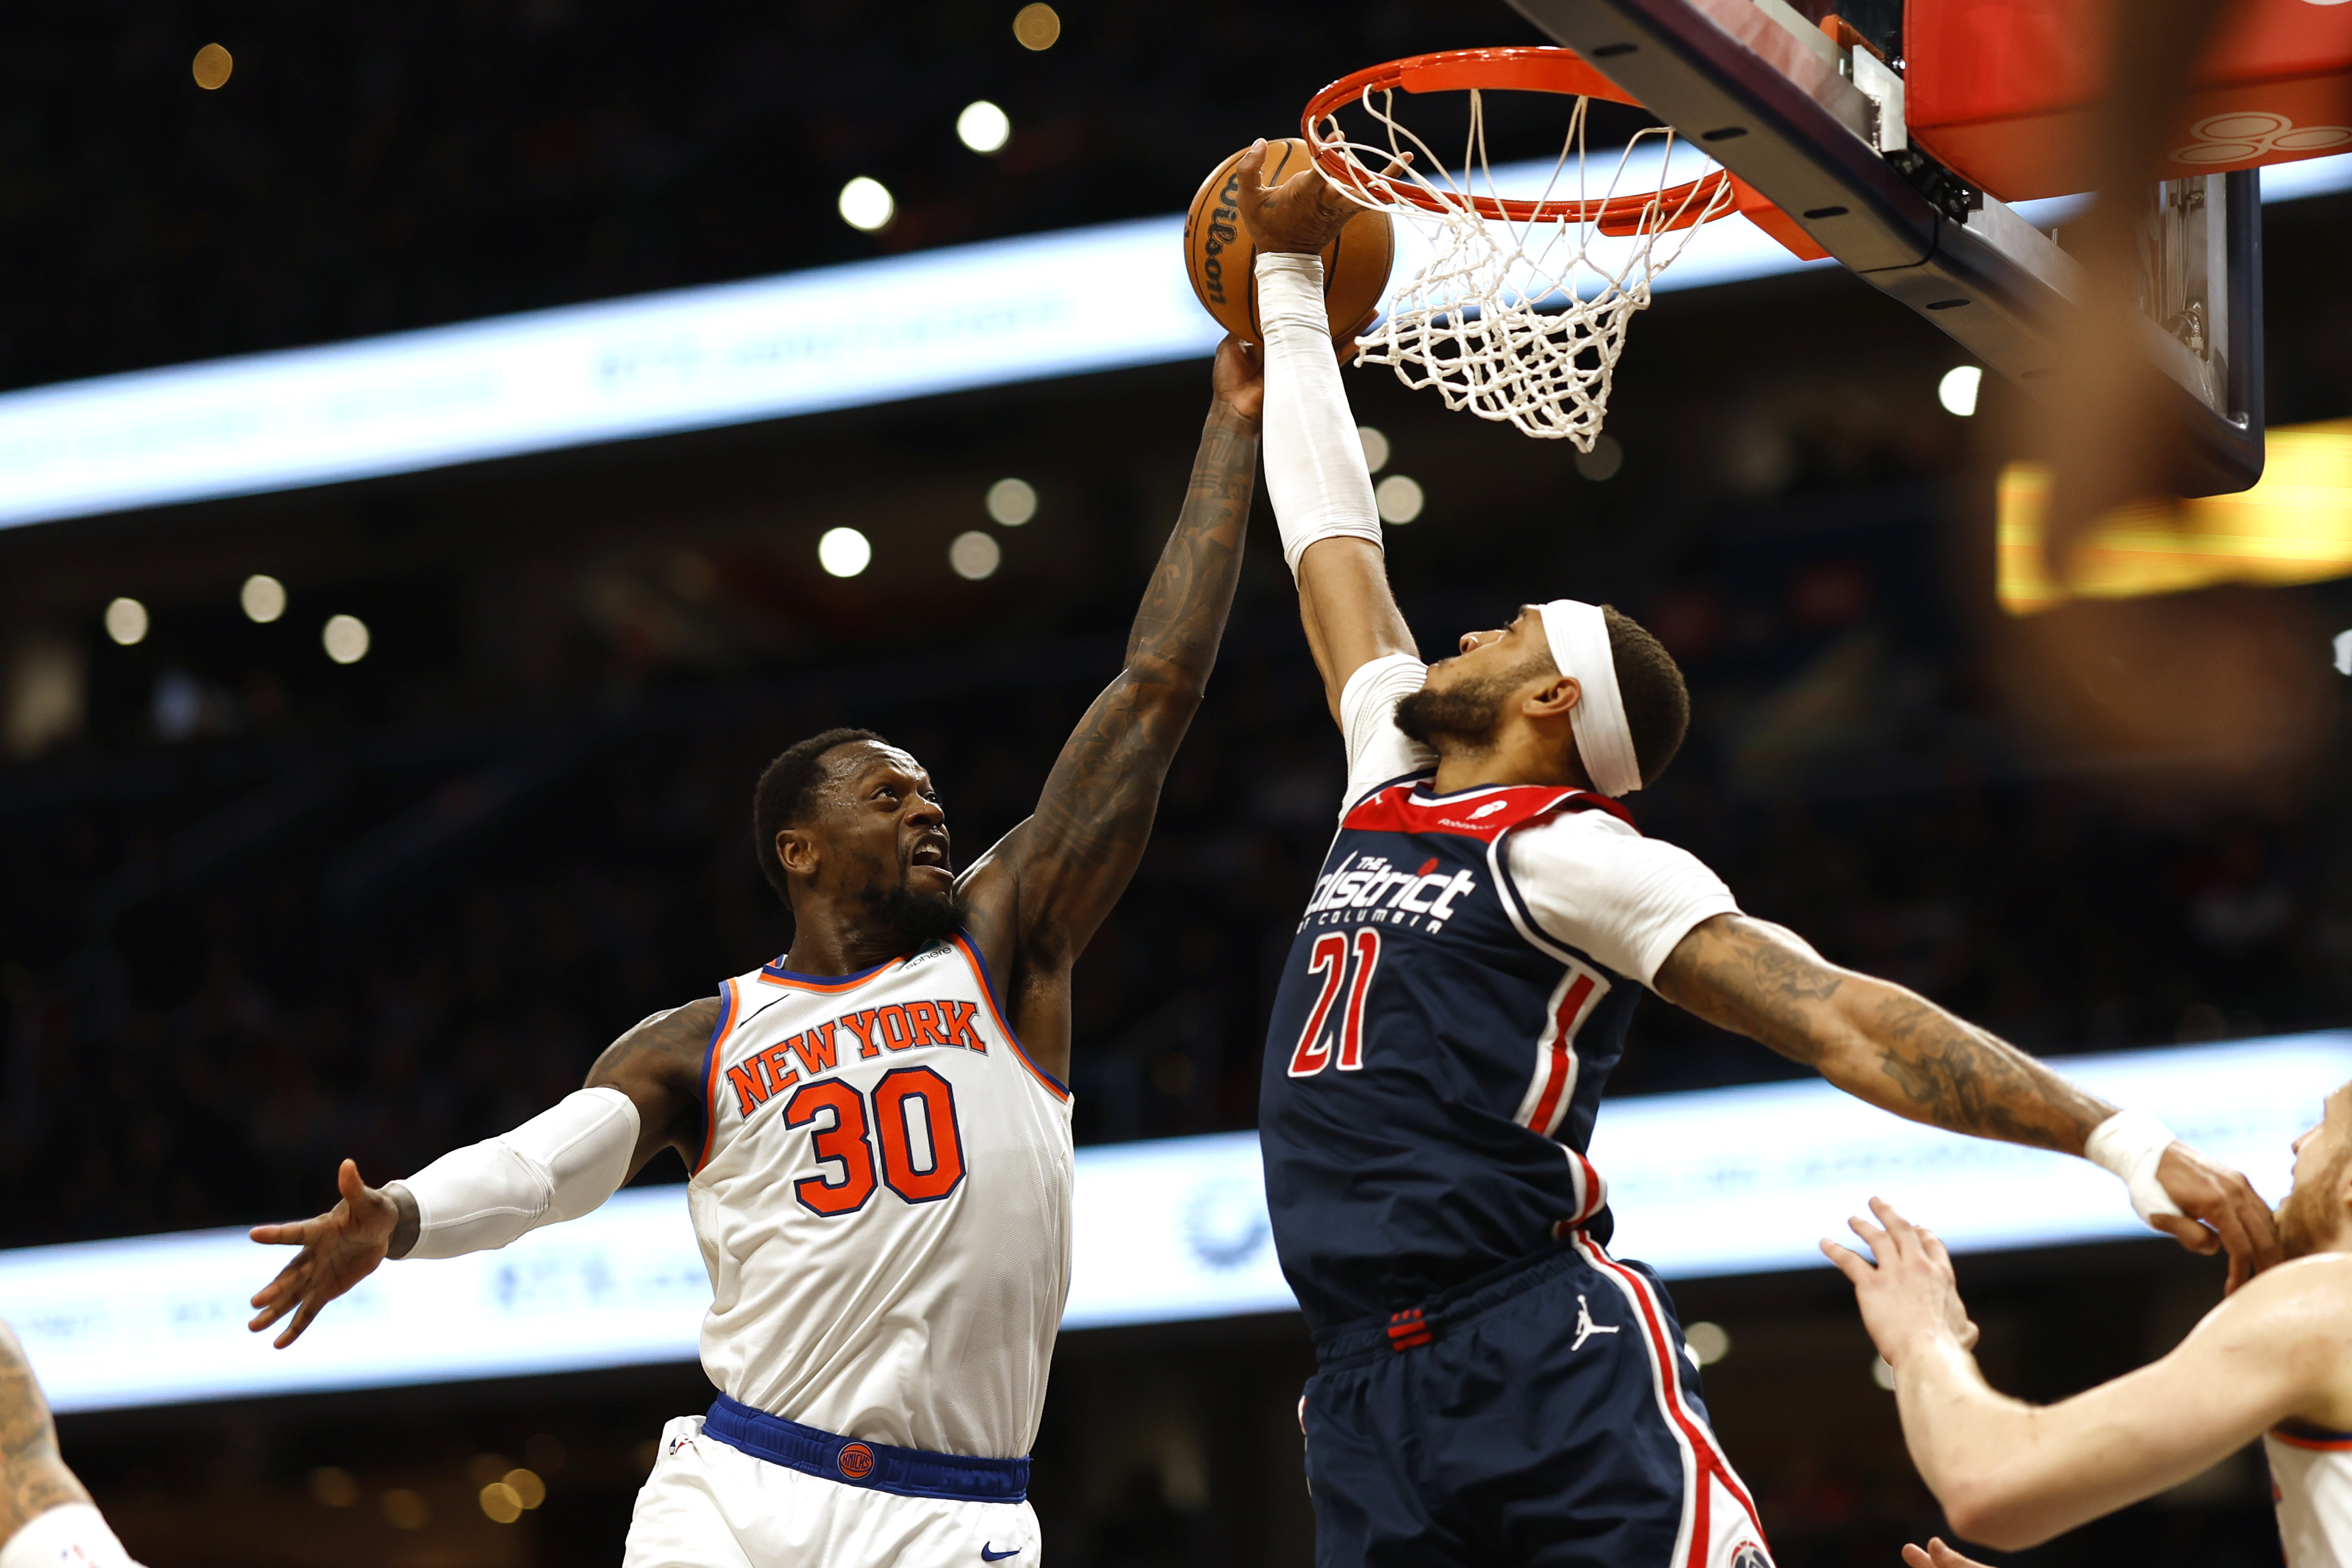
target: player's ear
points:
(1555, 698)
(797, 850)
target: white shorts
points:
(71, 1535)
(707, 1505)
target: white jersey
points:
(883, 1202)
(2311, 1480)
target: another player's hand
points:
(1240, 377)
(2219, 1208)
(340, 1249)
(1303, 213)
(1909, 1299)
(1936, 1554)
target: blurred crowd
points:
(228, 962)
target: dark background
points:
(259, 911)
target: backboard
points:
(1818, 126)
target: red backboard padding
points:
(2004, 91)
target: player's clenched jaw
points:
(2317, 1214)
(1463, 705)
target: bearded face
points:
(1466, 712)
(913, 920)
(2312, 1215)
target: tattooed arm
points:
(658, 1065)
(1034, 900)
(32, 1478)
(1902, 1053)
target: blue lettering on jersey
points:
(1435, 1060)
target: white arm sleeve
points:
(558, 1165)
(1314, 472)
(1595, 884)
(71, 1533)
(1378, 751)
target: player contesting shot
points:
(876, 1125)
(1493, 1386)
(2274, 1361)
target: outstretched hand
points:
(1936, 1554)
(340, 1249)
(2219, 1208)
(1303, 213)
(1909, 1298)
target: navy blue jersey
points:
(1435, 1058)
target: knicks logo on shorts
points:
(856, 1462)
(1751, 1555)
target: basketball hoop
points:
(1519, 313)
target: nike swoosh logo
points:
(988, 1557)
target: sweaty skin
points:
(32, 1478)
(1031, 902)
(1873, 1040)
(2013, 1474)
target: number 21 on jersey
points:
(1344, 961)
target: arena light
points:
(1727, 1181)
(983, 126)
(1106, 297)
(2293, 526)
(866, 203)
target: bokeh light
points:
(1957, 390)
(211, 66)
(983, 126)
(263, 598)
(345, 638)
(867, 205)
(975, 555)
(1037, 26)
(1399, 498)
(1376, 448)
(1012, 502)
(126, 621)
(844, 552)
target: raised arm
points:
(2013, 1474)
(1034, 900)
(1315, 473)
(1902, 1053)
(642, 1095)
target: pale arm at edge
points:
(2013, 1474)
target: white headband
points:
(1580, 646)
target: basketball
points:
(1221, 258)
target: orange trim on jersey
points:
(769, 974)
(711, 1068)
(2318, 1439)
(988, 991)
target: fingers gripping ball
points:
(1221, 257)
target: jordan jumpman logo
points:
(1585, 1327)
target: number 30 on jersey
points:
(1343, 961)
(914, 1123)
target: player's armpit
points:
(1875, 1041)
(658, 1065)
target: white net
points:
(1521, 319)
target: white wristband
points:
(1315, 473)
(558, 1165)
(2128, 1145)
(71, 1535)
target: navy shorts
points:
(1548, 1416)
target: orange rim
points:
(1562, 71)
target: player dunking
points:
(876, 1125)
(1458, 990)
(2273, 1361)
